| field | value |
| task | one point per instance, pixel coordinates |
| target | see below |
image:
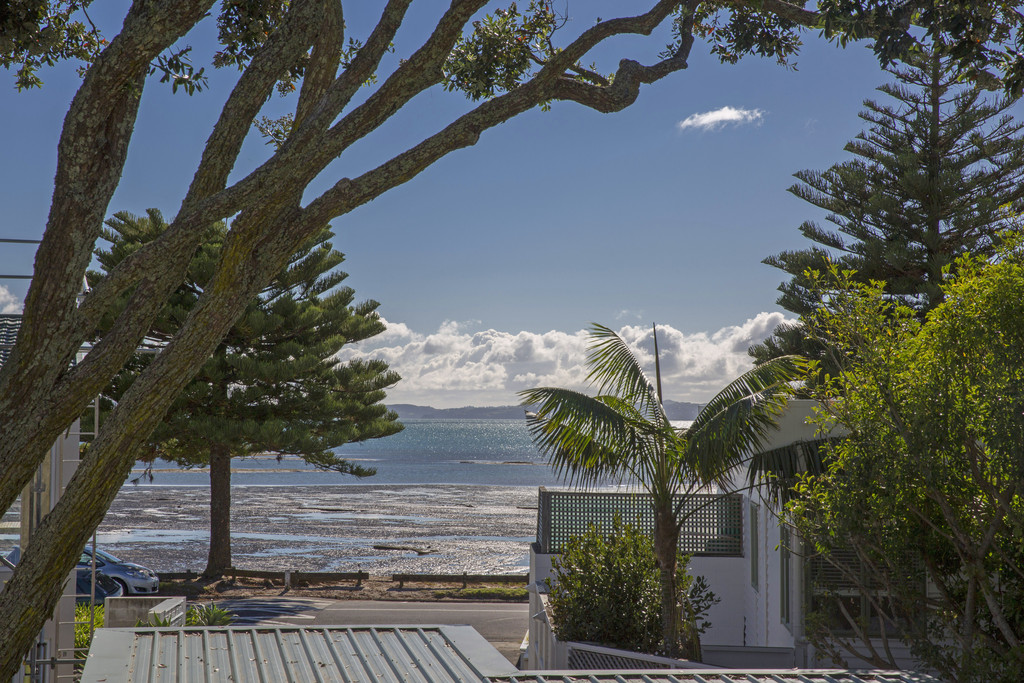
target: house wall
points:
(57, 637)
(763, 606)
(723, 574)
(746, 625)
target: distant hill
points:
(408, 411)
(677, 410)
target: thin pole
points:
(657, 363)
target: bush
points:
(208, 615)
(83, 635)
(607, 591)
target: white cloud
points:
(454, 367)
(627, 313)
(714, 120)
(8, 302)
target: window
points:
(753, 546)
(784, 575)
(845, 594)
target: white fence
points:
(547, 652)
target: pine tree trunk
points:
(219, 558)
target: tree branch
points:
(421, 71)
(367, 60)
(324, 61)
(91, 155)
(624, 89)
(159, 266)
(347, 193)
(283, 48)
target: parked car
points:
(134, 579)
(106, 587)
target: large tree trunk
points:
(219, 557)
(30, 595)
(41, 394)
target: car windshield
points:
(107, 557)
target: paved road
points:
(274, 611)
(501, 624)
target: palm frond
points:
(587, 439)
(616, 371)
(736, 421)
(779, 469)
(766, 377)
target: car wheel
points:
(124, 587)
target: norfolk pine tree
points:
(937, 175)
(301, 47)
(271, 385)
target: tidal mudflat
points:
(415, 528)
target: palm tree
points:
(623, 433)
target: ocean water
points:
(473, 452)
(463, 490)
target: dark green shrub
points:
(208, 615)
(607, 591)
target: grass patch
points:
(512, 594)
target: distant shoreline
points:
(677, 410)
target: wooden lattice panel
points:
(712, 524)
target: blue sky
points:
(489, 264)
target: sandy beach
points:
(436, 528)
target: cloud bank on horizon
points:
(715, 120)
(453, 368)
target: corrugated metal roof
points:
(9, 325)
(364, 654)
(429, 654)
(717, 676)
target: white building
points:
(758, 575)
(51, 657)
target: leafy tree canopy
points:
(982, 38)
(939, 173)
(928, 487)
